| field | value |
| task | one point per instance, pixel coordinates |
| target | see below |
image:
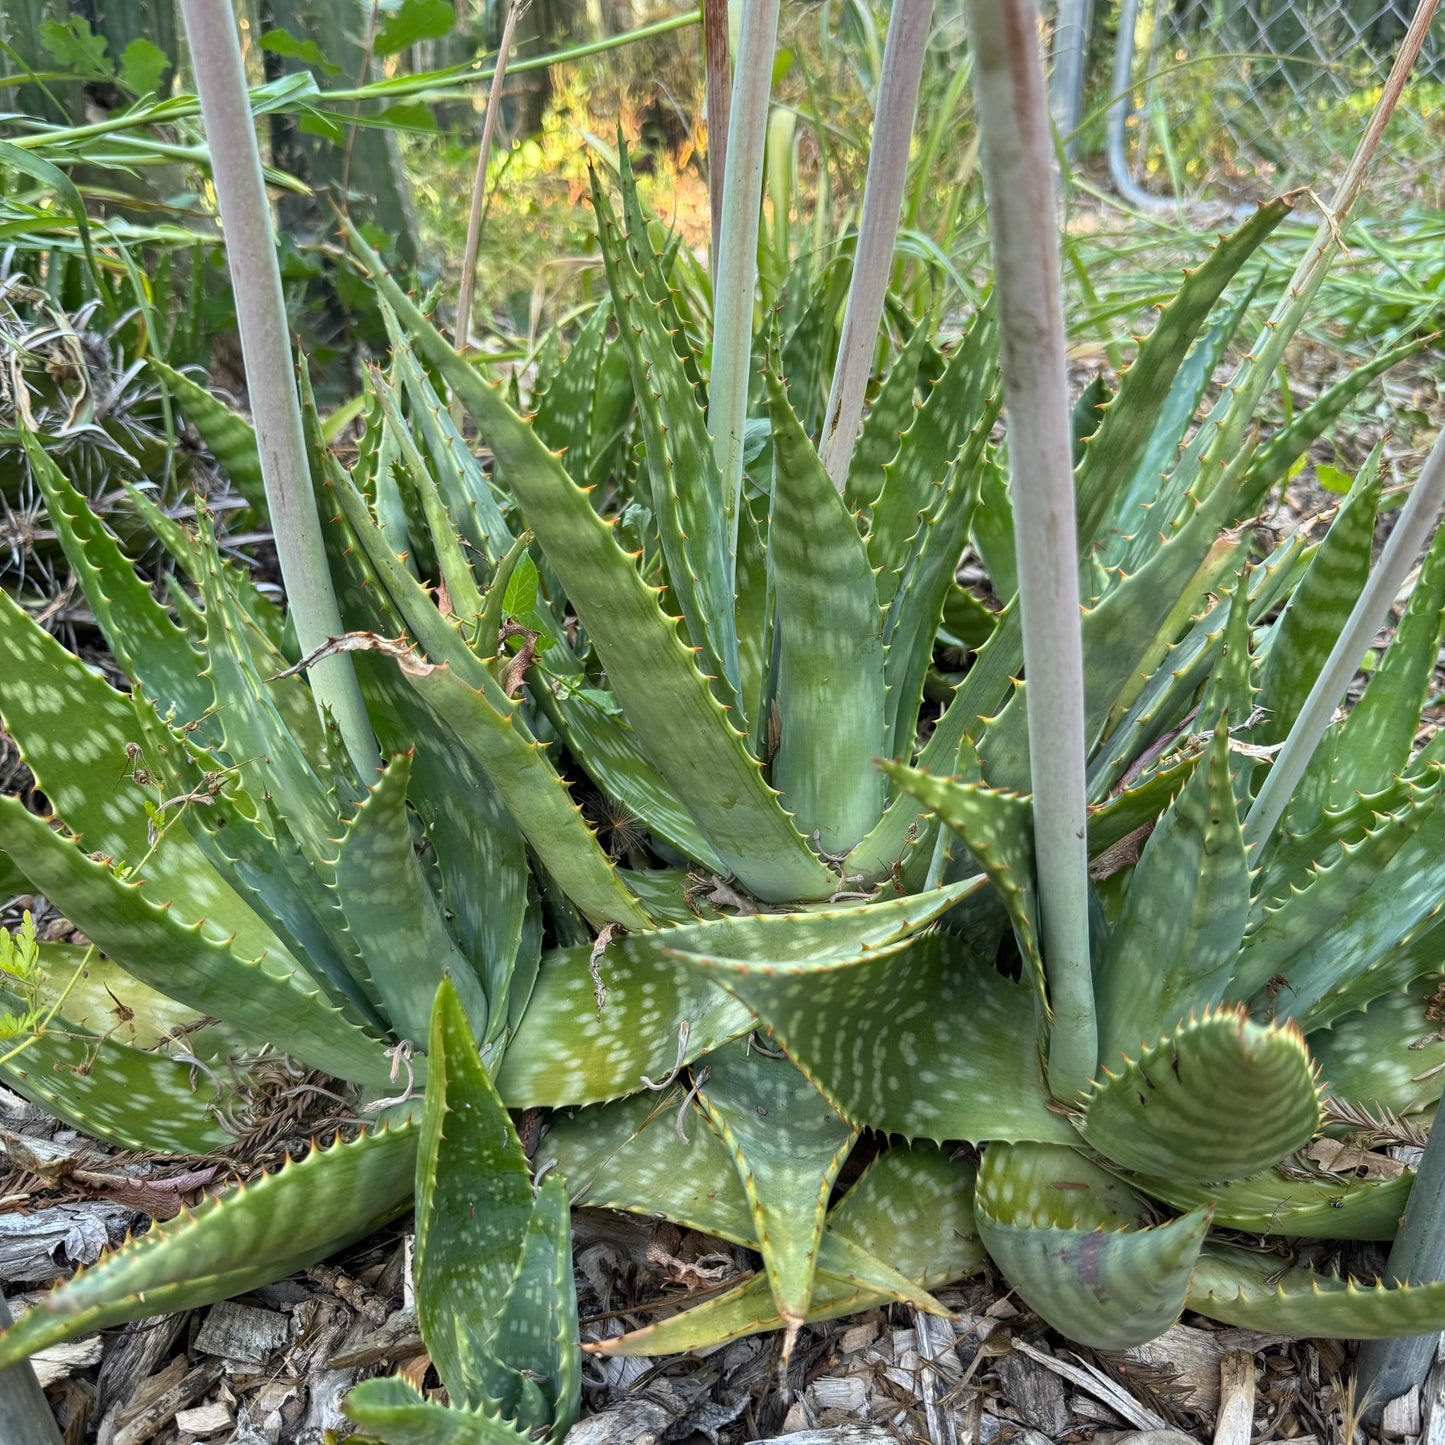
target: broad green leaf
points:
(73, 730)
(1300, 641)
(267, 998)
(1078, 1247)
(537, 1324)
(1172, 951)
(282, 42)
(669, 703)
(230, 438)
(997, 830)
(686, 485)
(569, 1050)
(142, 64)
(1378, 736)
(912, 1208)
(412, 22)
(918, 1038)
(1247, 1289)
(829, 643)
(392, 1408)
(130, 1097)
(787, 1146)
(473, 1202)
(993, 527)
(151, 648)
(247, 1237)
(1131, 419)
(1301, 1204)
(394, 915)
(1389, 1056)
(1188, 1107)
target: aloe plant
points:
(880, 928)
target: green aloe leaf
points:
(1300, 641)
(570, 1050)
(267, 998)
(912, 1207)
(48, 694)
(1138, 806)
(392, 1408)
(229, 436)
(955, 406)
(890, 415)
(1172, 951)
(489, 727)
(584, 409)
(787, 1146)
(678, 721)
(633, 1154)
(686, 485)
(537, 1324)
(394, 915)
(1077, 1246)
(1378, 736)
(130, 1097)
(1247, 1289)
(1300, 1204)
(829, 643)
(473, 1203)
(993, 527)
(233, 1243)
(919, 1039)
(1360, 907)
(1131, 419)
(1390, 1055)
(151, 648)
(997, 829)
(1188, 1107)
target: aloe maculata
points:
(568, 614)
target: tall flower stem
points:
(893, 118)
(737, 267)
(1017, 156)
(270, 366)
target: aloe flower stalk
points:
(1013, 122)
(270, 369)
(718, 62)
(877, 230)
(737, 267)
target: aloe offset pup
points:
(883, 926)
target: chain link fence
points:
(1236, 99)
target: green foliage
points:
(566, 616)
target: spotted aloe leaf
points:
(392, 1409)
(1131, 419)
(1187, 1107)
(463, 694)
(1077, 1245)
(997, 829)
(1357, 911)
(473, 1203)
(229, 436)
(130, 1097)
(1378, 736)
(686, 485)
(242, 1239)
(1171, 952)
(1304, 1204)
(265, 998)
(1390, 1055)
(912, 1206)
(569, 1049)
(1241, 1287)
(890, 415)
(1229, 693)
(89, 784)
(787, 1146)
(829, 665)
(919, 1039)
(669, 703)
(1300, 641)
(394, 914)
(152, 649)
